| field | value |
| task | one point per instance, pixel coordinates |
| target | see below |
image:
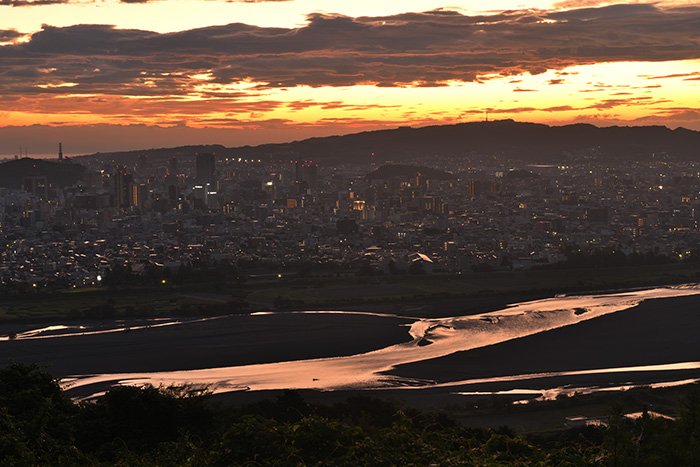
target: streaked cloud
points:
(26, 3)
(9, 35)
(416, 49)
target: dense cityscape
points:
(474, 214)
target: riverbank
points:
(432, 341)
(235, 349)
(431, 295)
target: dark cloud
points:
(417, 49)
(675, 75)
(578, 3)
(9, 35)
(30, 2)
(559, 108)
(609, 12)
(626, 102)
(19, 3)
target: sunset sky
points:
(109, 75)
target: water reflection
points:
(430, 338)
(555, 393)
(683, 366)
(61, 331)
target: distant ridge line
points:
(522, 140)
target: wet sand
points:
(238, 340)
(654, 332)
(433, 340)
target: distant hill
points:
(58, 174)
(159, 154)
(407, 171)
(526, 141)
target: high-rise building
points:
(205, 166)
(60, 151)
(123, 189)
(139, 195)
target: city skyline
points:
(239, 73)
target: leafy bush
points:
(40, 425)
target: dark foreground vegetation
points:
(40, 425)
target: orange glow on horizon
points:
(664, 91)
(630, 91)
